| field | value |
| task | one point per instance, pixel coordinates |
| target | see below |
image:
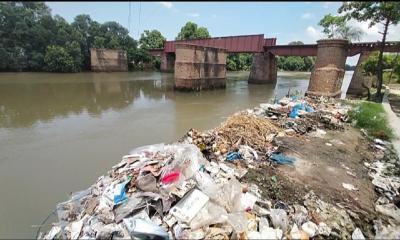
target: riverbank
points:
(298, 167)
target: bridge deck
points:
(233, 44)
(257, 44)
(311, 49)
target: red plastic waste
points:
(170, 177)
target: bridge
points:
(326, 77)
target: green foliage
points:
(238, 62)
(27, 30)
(371, 116)
(57, 59)
(336, 27)
(191, 31)
(294, 63)
(385, 13)
(99, 42)
(388, 61)
(374, 11)
(151, 39)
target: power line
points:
(129, 17)
(140, 11)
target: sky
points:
(287, 21)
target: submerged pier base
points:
(263, 69)
(198, 67)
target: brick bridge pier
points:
(209, 57)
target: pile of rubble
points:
(194, 188)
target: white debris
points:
(357, 235)
(349, 186)
(310, 228)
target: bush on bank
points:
(371, 117)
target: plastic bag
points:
(279, 219)
(207, 185)
(209, 214)
(187, 159)
(238, 221)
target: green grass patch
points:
(371, 117)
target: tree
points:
(57, 59)
(190, 31)
(31, 38)
(336, 27)
(238, 62)
(151, 39)
(295, 63)
(74, 50)
(389, 61)
(202, 32)
(385, 13)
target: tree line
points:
(31, 39)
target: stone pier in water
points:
(263, 69)
(198, 67)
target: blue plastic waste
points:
(231, 156)
(309, 108)
(300, 106)
(294, 113)
(121, 196)
(282, 159)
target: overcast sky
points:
(287, 21)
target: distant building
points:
(108, 60)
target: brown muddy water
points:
(60, 132)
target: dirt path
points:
(394, 98)
(323, 165)
(394, 121)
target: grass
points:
(371, 117)
(386, 75)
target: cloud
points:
(313, 33)
(166, 4)
(193, 14)
(371, 34)
(307, 16)
(326, 4)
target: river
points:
(60, 132)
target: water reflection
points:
(28, 100)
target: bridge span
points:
(326, 78)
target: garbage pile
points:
(385, 172)
(194, 188)
(305, 115)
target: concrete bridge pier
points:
(198, 67)
(263, 69)
(327, 76)
(359, 80)
(167, 62)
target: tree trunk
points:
(379, 71)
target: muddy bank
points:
(292, 169)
